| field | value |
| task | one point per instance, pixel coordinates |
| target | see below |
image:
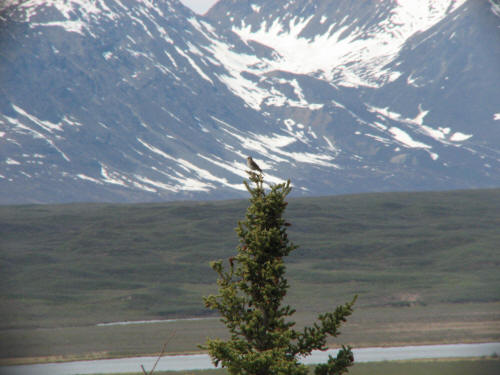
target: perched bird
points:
(253, 165)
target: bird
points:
(253, 165)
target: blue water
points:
(202, 361)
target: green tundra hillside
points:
(81, 264)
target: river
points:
(202, 361)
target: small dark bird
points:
(253, 165)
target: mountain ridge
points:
(126, 101)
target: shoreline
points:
(109, 356)
(467, 353)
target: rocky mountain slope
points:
(127, 100)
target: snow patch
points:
(11, 161)
(194, 65)
(155, 150)
(158, 184)
(111, 177)
(419, 119)
(460, 137)
(88, 178)
(236, 64)
(441, 134)
(274, 147)
(77, 14)
(357, 59)
(247, 90)
(289, 123)
(380, 126)
(45, 125)
(69, 26)
(24, 129)
(233, 167)
(379, 138)
(255, 8)
(330, 146)
(183, 182)
(405, 139)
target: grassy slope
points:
(77, 265)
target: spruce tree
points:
(250, 300)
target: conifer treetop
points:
(251, 291)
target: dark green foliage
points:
(250, 299)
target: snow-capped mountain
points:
(142, 100)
